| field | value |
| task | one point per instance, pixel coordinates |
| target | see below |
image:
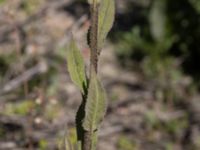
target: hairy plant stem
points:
(87, 141)
(93, 36)
(90, 137)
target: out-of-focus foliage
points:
(125, 143)
(1, 1)
(31, 5)
(19, 109)
(170, 34)
(43, 144)
(195, 4)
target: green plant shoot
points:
(93, 108)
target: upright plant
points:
(93, 107)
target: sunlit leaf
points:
(105, 20)
(95, 104)
(76, 66)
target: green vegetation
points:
(164, 47)
(170, 32)
(31, 6)
(2, 1)
(22, 108)
(125, 143)
(152, 85)
(43, 144)
(93, 107)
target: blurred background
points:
(150, 67)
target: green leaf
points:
(76, 66)
(95, 104)
(105, 20)
(157, 19)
